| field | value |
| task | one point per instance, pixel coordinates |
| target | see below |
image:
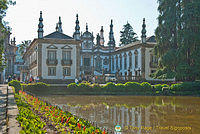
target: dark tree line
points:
(178, 39)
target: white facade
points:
(59, 67)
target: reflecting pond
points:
(135, 114)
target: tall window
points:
(130, 60)
(86, 61)
(125, 61)
(120, 56)
(116, 62)
(98, 63)
(66, 55)
(113, 66)
(51, 55)
(51, 71)
(136, 58)
(67, 71)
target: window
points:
(51, 55)
(86, 61)
(67, 71)
(116, 62)
(66, 55)
(130, 60)
(136, 58)
(51, 71)
(98, 63)
(125, 61)
(120, 56)
(113, 66)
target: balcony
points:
(66, 62)
(52, 62)
(153, 64)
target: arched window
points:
(136, 58)
(98, 64)
(116, 62)
(125, 61)
(113, 66)
(120, 56)
(130, 60)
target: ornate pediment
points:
(52, 47)
(66, 47)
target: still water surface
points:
(136, 114)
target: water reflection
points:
(135, 114)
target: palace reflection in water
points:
(135, 114)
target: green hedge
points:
(38, 85)
(16, 84)
(134, 88)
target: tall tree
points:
(178, 39)
(3, 29)
(23, 46)
(127, 35)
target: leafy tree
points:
(178, 40)
(127, 35)
(23, 46)
(3, 29)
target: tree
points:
(23, 46)
(3, 29)
(178, 40)
(127, 35)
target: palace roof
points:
(57, 35)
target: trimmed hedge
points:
(38, 85)
(133, 88)
(16, 84)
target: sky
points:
(23, 17)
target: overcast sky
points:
(23, 17)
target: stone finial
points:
(60, 25)
(111, 42)
(56, 26)
(102, 36)
(143, 37)
(40, 27)
(86, 27)
(98, 40)
(76, 34)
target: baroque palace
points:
(59, 57)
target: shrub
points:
(95, 86)
(146, 85)
(109, 86)
(119, 87)
(157, 87)
(16, 84)
(38, 85)
(132, 86)
(176, 87)
(72, 86)
(84, 86)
